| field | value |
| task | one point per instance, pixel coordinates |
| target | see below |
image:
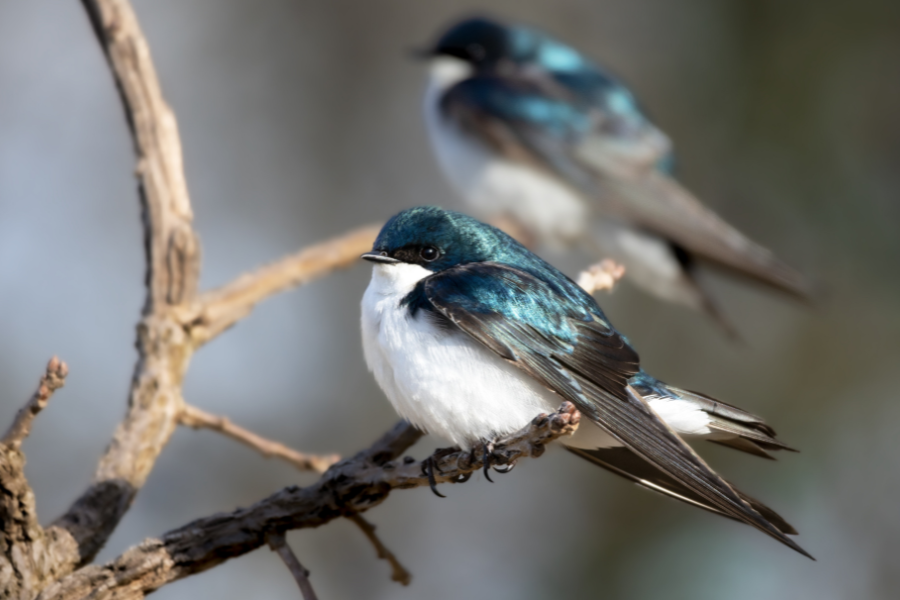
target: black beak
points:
(378, 257)
(419, 54)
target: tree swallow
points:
(471, 335)
(529, 130)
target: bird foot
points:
(491, 459)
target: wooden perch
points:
(351, 486)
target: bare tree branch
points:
(278, 543)
(22, 539)
(351, 486)
(54, 378)
(219, 309)
(398, 571)
(191, 416)
(601, 276)
(173, 259)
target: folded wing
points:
(552, 332)
(611, 156)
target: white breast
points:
(494, 185)
(443, 382)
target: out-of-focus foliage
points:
(301, 119)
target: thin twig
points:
(219, 309)
(351, 486)
(601, 276)
(398, 571)
(53, 378)
(191, 416)
(278, 543)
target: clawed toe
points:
(489, 460)
(428, 467)
(486, 458)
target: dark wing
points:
(559, 340)
(624, 462)
(605, 149)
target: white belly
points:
(443, 382)
(493, 185)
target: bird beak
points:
(419, 54)
(378, 257)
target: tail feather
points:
(622, 461)
(660, 204)
(746, 431)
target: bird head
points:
(486, 44)
(479, 42)
(438, 239)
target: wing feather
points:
(610, 158)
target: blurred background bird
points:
(531, 132)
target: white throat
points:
(396, 280)
(447, 71)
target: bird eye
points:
(476, 51)
(428, 253)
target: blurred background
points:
(300, 119)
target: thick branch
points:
(351, 486)
(219, 309)
(54, 378)
(173, 259)
(278, 543)
(191, 416)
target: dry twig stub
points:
(398, 571)
(278, 544)
(54, 378)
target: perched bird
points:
(471, 335)
(529, 130)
